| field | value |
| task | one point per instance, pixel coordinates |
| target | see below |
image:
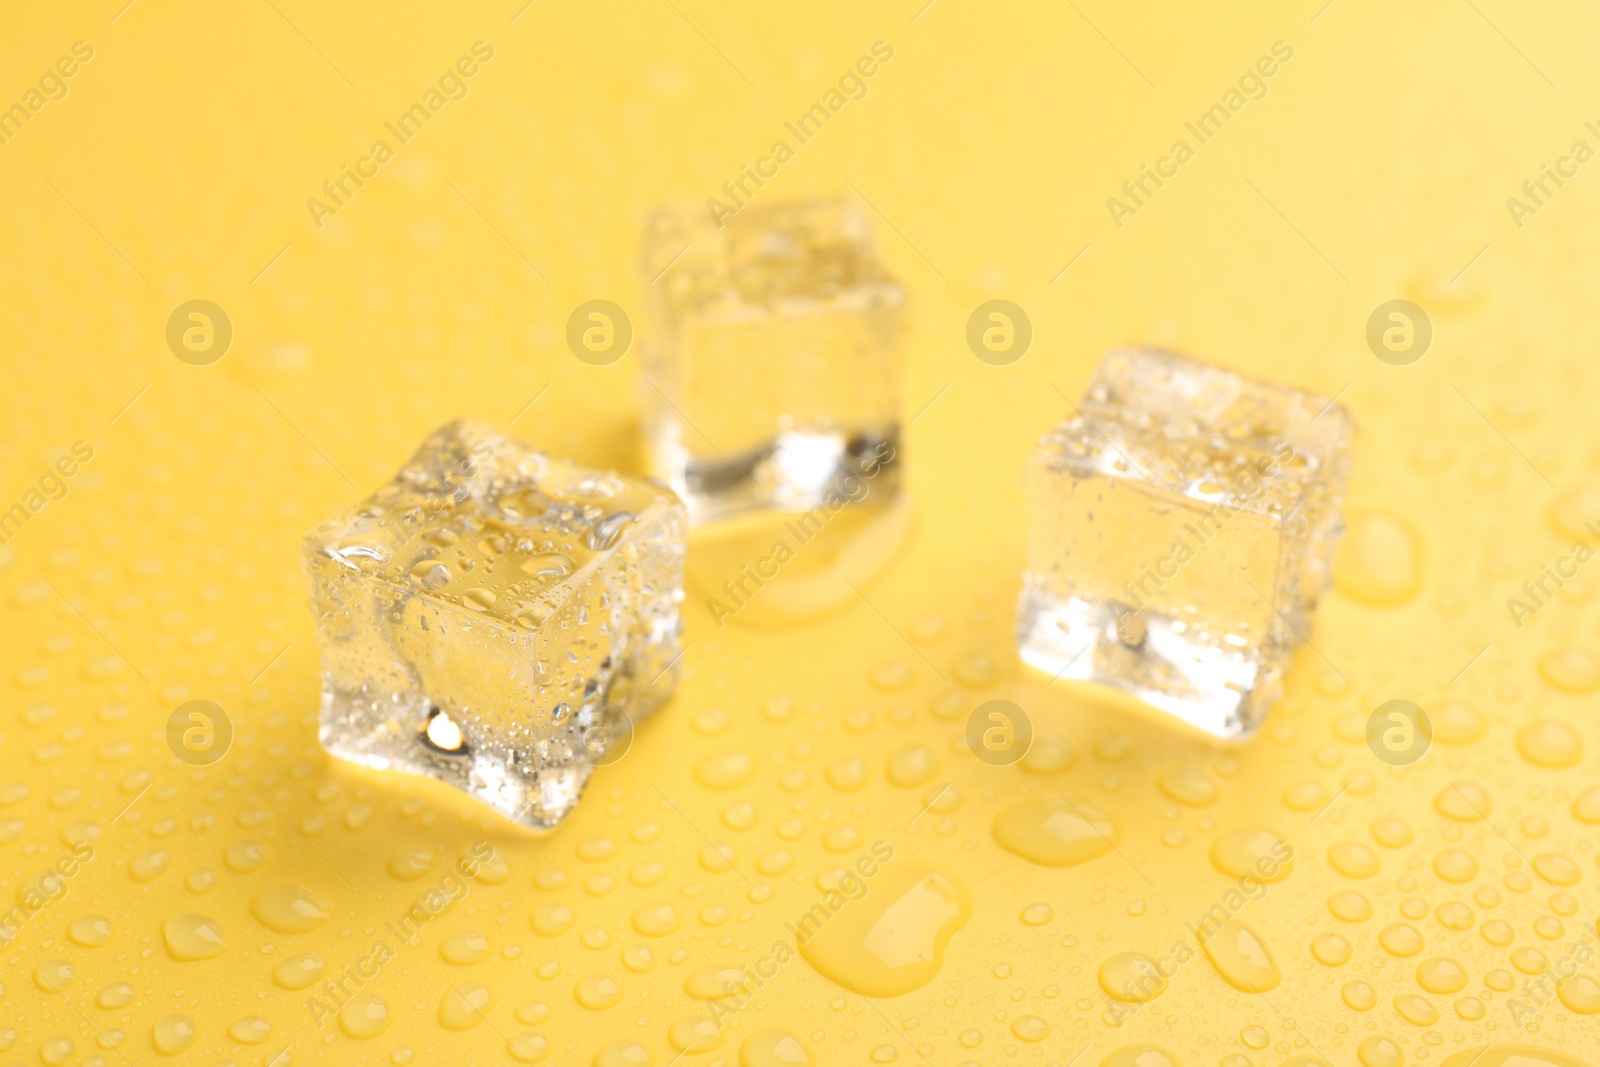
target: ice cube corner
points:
(497, 619)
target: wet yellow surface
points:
(1124, 895)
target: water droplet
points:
(53, 976)
(774, 1047)
(1188, 785)
(1141, 1055)
(1441, 975)
(979, 671)
(656, 920)
(1391, 832)
(1549, 743)
(1350, 906)
(1415, 1009)
(1529, 960)
(1253, 850)
(90, 931)
(1359, 995)
(1131, 976)
(529, 1047)
(148, 865)
(911, 766)
(692, 1035)
(1030, 1028)
(1463, 802)
(1353, 859)
(597, 992)
(1305, 796)
(1454, 865)
(173, 1034)
(250, 1030)
(622, 1054)
(193, 937)
(892, 940)
(464, 948)
(1054, 833)
(1241, 957)
(114, 996)
(290, 909)
(299, 970)
(1049, 754)
(245, 856)
(1401, 939)
(727, 771)
(1580, 993)
(1037, 914)
(463, 1006)
(551, 920)
(56, 1050)
(366, 1015)
(1571, 670)
(409, 864)
(1331, 949)
(1586, 809)
(1379, 559)
(1379, 1051)
(1556, 868)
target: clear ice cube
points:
(772, 355)
(497, 618)
(1181, 525)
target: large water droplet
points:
(892, 940)
(1132, 976)
(774, 1047)
(1242, 958)
(463, 1006)
(1379, 559)
(193, 937)
(299, 970)
(1253, 850)
(290, 909)
(1141, 1055)
(1053, 832)
(173, 1034)
(365, 1016)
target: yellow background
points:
(178, 167)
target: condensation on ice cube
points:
(497, 618)
(1181, 526)
(772, 356)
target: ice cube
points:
(497, 619)
(772, 356)
(1181, 526)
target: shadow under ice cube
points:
(496, 618)
(772, 358)
(1181, 526)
